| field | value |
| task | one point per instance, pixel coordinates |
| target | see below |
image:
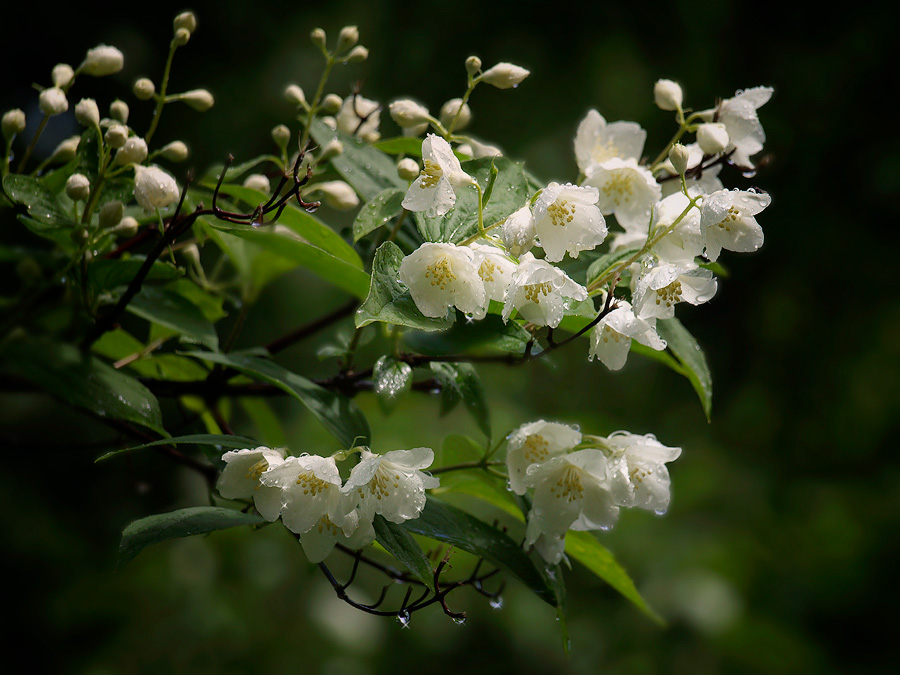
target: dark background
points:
(782, 536)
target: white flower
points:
(517, 231)
(683, 243)
(359, 116)
(154, 188)
(534, 443)
(745, 131)
(626, 189)
(596, 141)
(611, 338)
(434, 191)
(661, 285)
(706, 183)
(727, 221)
(570, 491)
(504, 75)
(637, 470)
(240, 479)
(102, 60)
(391, 484)
(494, 268)
(541, 292)
(567, 220)
(440, 276)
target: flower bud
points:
(505, 75)
(102, 60)
(53, 101)
(154, 188)
(357, 55)
(182, 37)
(78, 187)
(118, 110)
(87, 113)
(257, 181)
(679, 156)
(408, 168)
(370, 135)
(62, 75)
(176, 151)
(133, 152)
(192, 254)
(449, 111)
(473, 65)
(332, 148)
(13, 123)
(330, 122)
(186, 20)
(337, 194)
(281, 135)
(111, 214)
(116, 135)
(667, 95)
(712, 138)
(144, 89)
(348, 37)
(65, 151)
(127, 227)
(198, 99)
(318, 38)
(332, 104)
(294, 94)
(407, 113)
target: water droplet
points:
(497, 603)
(403, 618)
(749, 174)
(459, 620)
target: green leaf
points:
(85, 382)
(337, 413)
(585, 548)
(212, 440)
(266, 421)
(685, 348)
(88, 154)
(177, 524)
(105, 274)
(172, 310)
(400, 544)
(381, 210)
(388, 300)
(460, 382)
(400, 145)
(43, 206)
(448, 524)
(236, 170)
(606, 263)
(488, 334)
(367, 169)
(117, 344)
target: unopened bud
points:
(186, 20)
(408, 168)
(66, 150)
(332, 148)
(182, 37)
(318, 38)
(348, 37)
(102, 60)
(13, 123)
(337, 194)
(144, 89)
(449, 112)
(712, 138)
(332, 104)
(473, 65)
(198, 99)
(53, 101)
(176, 151)
(87, 113)
(679, 156)
(127, 227)
(370, 135)
(294, 94)
(192, 254)
(408, 113)
(667, 95)
(330, 122)
(62, 75)
(154, 188)
(357, 55)
(78, 187)
(111, 214)
(116, 135)
(505, 75)
(133, 152)
(281, 135)
(118, 110)
(257, 181)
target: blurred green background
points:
(782, 536)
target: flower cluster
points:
(307, 493)
(580, 482)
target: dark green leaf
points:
(337, 413)
(388, 300)
(173, 311)
(401, 145)
(400, 544)
(382, 209)
(235, 171)
(117, 344)
(88, 154)
(460, 382)
(106, 274)
(685, 348)
(465, 336)
(177, 524)
(606, 263)
(448, 524)
(212, 440)
(44, 207)
(584, 547)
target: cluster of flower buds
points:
(307, 493)
(580, 482)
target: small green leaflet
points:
(386, 206)
(685, 348)
(174, 311)
(400, 544)
(460, 382)
(212, 440)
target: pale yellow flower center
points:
(325, 524)
(440, 272)
(535, 449)
(486, 271)
(732, 217)
(256, 471)
(638, 475)
(311, 483)
(381, 484)
(431, 174)
(569, 486)
(608, 333)
(620, 187)
(534, 291)
(603, 152)
(669, 294)
(561, 212)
